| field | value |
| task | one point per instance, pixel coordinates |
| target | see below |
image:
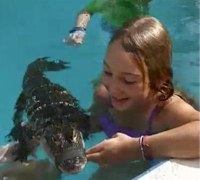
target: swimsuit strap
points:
(110, 128)
(151, 118)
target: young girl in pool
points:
(147, 117)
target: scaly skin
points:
(54, 119)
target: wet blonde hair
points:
(149, 43)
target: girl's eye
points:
(129, 82)
(107, 73)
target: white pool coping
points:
(173, 169)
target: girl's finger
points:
(99, 147)
(95, 157)
(115, 135)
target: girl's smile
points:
(119, 103)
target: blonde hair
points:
(149, 43)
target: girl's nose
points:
(114, 87)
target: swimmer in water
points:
(114, 14)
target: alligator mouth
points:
(73, 167)
(70, 158)
(73, 160)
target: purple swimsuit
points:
(110, 128)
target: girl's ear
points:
(165, 91)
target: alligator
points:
(48, 115)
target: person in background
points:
(142, 113)
(114, 14)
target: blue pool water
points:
(35, 28)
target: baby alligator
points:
(47, 114)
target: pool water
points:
(35, 28)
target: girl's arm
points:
(100, 106)
(179, 142)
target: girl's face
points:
(123, 79)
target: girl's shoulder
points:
(188, 98)
(177, 111)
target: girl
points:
(147, 118)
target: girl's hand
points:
(118, 149)
(76, 36)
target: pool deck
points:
(173, 169)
